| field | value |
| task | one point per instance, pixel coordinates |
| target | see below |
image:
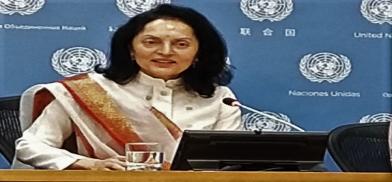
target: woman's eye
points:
(182, 44)
(150, 42)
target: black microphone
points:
(232, 102)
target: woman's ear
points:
(131, 52)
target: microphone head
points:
(229, 101)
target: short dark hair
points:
(208, 72)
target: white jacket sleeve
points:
(40, 144)
(229, 116)
(390, 142)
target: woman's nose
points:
(166, 49)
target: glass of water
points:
(143, 156)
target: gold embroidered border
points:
(94, 100)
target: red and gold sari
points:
(103, 117)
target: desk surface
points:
(174, 176)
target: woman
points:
(390, 142)
(167, 74)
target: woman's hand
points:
(115, 163)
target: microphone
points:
(232, 102)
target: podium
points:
(188, 176)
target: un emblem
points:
(377, 11)
(22, 7)
(257, 122)
(272, 10)
(325, 67)
(380, 117)
(77, 60)
(134, 7)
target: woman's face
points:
(165, 48)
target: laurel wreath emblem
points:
(380, 117)
(129, 10)
(253, 121)
(315, 78)
(94, 56)
(366, 6)
(286, 11)
(12, 7)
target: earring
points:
(195, 62)
(132, 56)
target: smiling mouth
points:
(163, 61)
